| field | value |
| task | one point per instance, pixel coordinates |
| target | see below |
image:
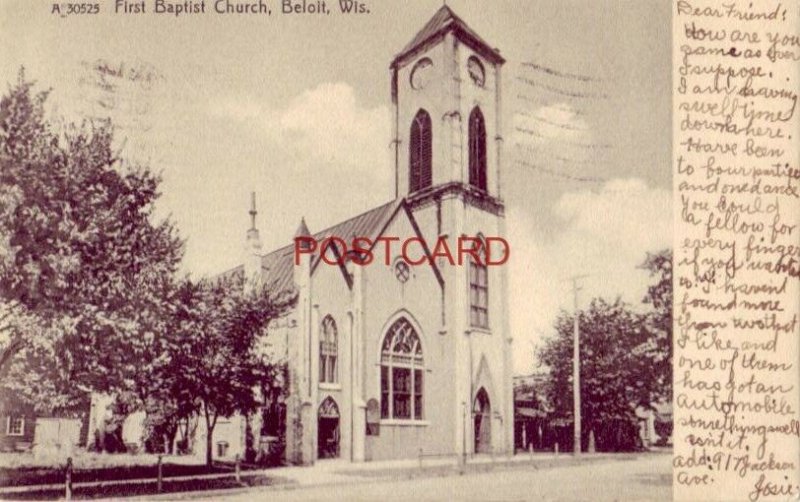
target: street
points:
(647, 477)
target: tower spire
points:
(302, 229)
(252, 250)
(253, 238)
(253, 212)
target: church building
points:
(394, 360)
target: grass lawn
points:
(47, 475)
(98, 467)
(138, 489)
(112, 468)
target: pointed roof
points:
(368, 224)
(302, 230)
(278, 265)
(443, 21)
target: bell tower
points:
(446, 96)
(446, 101)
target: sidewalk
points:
(342, 472)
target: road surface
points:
(648, 477)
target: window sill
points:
(404, 422)
(330, 386)
(14, 435)
(477, 329)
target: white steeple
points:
(252, 252)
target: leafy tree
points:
(14, 320)
(80, 251)
(35, 372)
(659, 319)
(616, 372)
(216, 361)
(625, 355)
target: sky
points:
(224, 106)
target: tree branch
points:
(8, 354)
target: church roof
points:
(443, 21)
(302, 230)
(278, 265)
(367, 224)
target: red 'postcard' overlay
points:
(489, 251)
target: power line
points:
(549, 104)
(572, 94)
(580, 179)
(550, 122)
(557, 73)
(531, 132)
(554, 156)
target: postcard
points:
(377, 250)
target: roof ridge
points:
(360, 215)
(443, 20)
(328, 229)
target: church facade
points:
(394, 360)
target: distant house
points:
(22, 429)
(532, 429)
(537, 427)
(655, 426)
(17, 424)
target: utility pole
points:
(576, 369)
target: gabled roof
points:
(278, 265)
(443, 21)
(367, 224)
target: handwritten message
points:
(737, 250)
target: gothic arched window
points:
(401, 372)
(420, 153)
(328, 350)
(477, 149)
(479, 286)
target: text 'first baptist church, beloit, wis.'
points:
(179, 8)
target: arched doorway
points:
(328, 429)
(482, 410)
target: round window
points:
(401, 271)
(421, 73)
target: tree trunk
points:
(189, 428)
(209, 435)
(171, 439)
(209, 459)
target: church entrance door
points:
(482, 410)
(328, 430)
